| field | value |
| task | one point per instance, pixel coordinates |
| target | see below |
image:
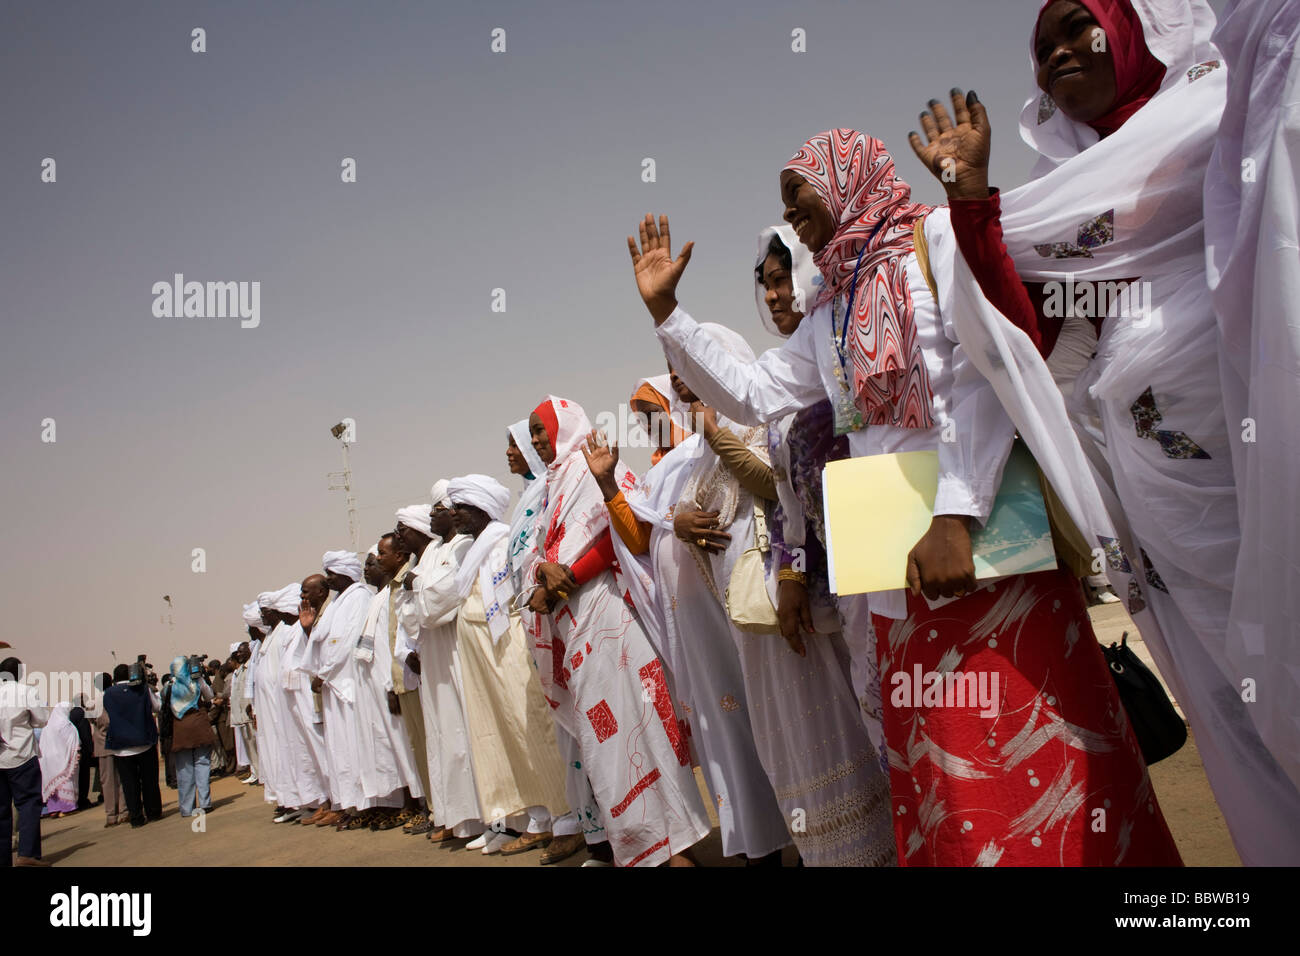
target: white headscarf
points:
(267, 599)
(524, 442)
(805, 278)
(523, 530)
(417, 518)
(60, 746)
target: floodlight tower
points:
(345, 432)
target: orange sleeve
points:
(634, 532)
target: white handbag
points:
(748, 604)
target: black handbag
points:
(1160, 731)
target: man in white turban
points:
(453, 799)
(273, 720)
(518, 771)
(311, 762)
(333, 639)
(389, 764)
(482, 492)
(241, 698)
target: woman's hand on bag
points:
(700, 528)
(941, 564)
(794, 614)
(956, 148)
(540, 602)
(602, 462)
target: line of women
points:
(917, 328)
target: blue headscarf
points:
(185, 692)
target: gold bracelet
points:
(790, 574)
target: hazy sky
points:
(475, 171)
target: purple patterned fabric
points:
(813, 443)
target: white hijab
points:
(59, 747)
(806, 280)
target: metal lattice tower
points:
(342, 480)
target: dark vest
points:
(130, 717)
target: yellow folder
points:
(879, 506)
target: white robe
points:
(427, 620)
(1252, 234)
(336, 636)
(702, 656)
(274, 721)
(306, 764)
(386, 762)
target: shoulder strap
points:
(923, 255)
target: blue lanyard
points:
(853, 289)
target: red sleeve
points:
(978, 228)
(599, 557)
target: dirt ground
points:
(239, 831)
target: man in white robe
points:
(387, 763)
(308, 762)
(334, 637)
(273, 721)
(241, 694)
(436, 547)
(518, 772)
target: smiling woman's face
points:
(515, 458)
(1075, 65)
(805, 211)
(778, 286)
(541, 440)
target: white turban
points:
(345, 563)
(416, 517)
(374, 549)
(439, 493)
(267, 599)
(483, 492)
(288, 599)
(235, 646)
(253, 612)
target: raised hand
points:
(306, 615)
(657, 272)
(956, 149)
(602, 461)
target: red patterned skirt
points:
(1008, 744)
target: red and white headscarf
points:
(574, 514)
(872, 208)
